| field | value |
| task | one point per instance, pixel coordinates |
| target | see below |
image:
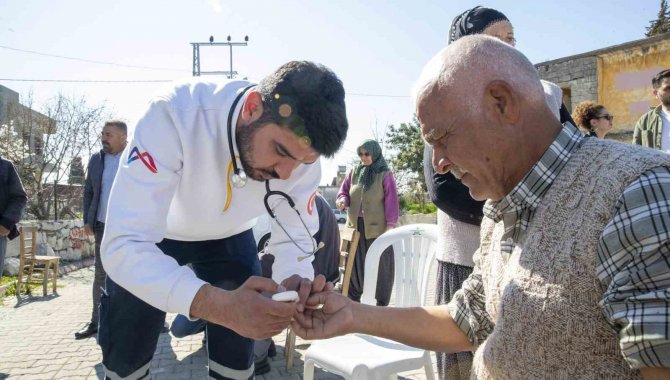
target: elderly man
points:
(571, 278)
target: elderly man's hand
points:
(88, 230)
(244, 310)
(4, 231)
(305, 287)
(327, 314)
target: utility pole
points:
(196, 56)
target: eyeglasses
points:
(363, 154)
(607, 117)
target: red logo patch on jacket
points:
(310, 203)
(145, 157)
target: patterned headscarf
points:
(474, 21)
(378, 165)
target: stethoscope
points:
(289, 200)
(239, 177)
(239, 180)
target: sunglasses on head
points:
(362, 154)
(608, 117)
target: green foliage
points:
(407, 145)
(421, 208)
(76, 172)
(34, 288)
(662, 23)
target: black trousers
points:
(385, 274)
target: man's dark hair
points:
(309, 99)
(658, 78)
(118, 124)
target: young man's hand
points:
(245, 310)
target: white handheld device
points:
(288, 296)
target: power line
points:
(377, 95)
(165, 81)
(86, 80)
(92, 61)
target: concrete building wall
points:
(625, 85)
(578, 78)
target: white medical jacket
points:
(174, 181)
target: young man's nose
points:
(285, 167)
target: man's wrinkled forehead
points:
(430, 113)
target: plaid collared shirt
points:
(633, 256)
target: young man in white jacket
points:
(182, 196)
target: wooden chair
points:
(33, 267)
(348, 244)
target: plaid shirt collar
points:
(517, 208)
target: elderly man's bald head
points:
(481, 106)
(462, 70)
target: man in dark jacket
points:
(13, 201)
(100, 175)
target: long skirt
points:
(385, 273)
(450, 277)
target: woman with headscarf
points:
(459, 215)
(369, 190)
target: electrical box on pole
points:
(196, 56)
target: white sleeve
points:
(149, 172)
(285, 251)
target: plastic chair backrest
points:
(414, 249)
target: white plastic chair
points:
(360, 356)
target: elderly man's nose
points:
(440, 164)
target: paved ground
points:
(37, 341)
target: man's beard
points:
(666, 100)
(244, 138)
(106, 148)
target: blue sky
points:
(377, 48)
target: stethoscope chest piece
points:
(239, 180)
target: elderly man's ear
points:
(502, 102)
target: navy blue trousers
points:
(129, 327)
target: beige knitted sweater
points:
(544, 297)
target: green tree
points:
(76, 172)
(662, 23)
(405, 144)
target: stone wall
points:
(418, 218)
(64, 238)
(579, 75)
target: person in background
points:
(369, 190)
(100, 174)
(592, 119)
(13, 202)
(459, 215)
(653, 128)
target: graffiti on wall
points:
(77, 234)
